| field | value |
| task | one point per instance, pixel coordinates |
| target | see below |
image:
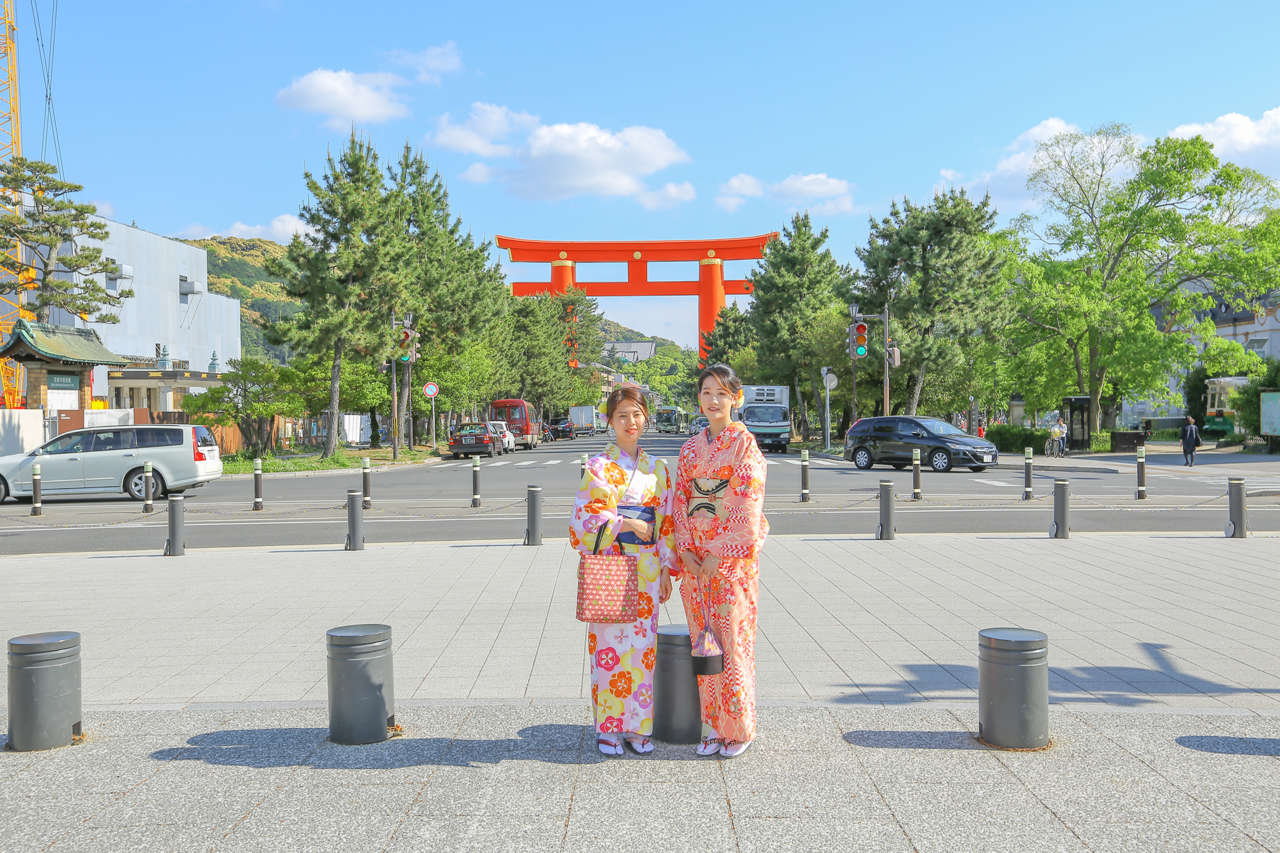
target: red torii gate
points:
(710, 288)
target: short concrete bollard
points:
(677, 710)
(475, 481)
(362, 698)
(1060, 527)
(1237, 513)
(885, 529)
(148, 488)
(257, 485)
(176, 544)
(1013, 688)
(917, 493)
(533, 516)
(37, 501)
(1026, 473)
(1141, 494)
(355, 521)
(44, 690)
(804, 476)
(366, 481)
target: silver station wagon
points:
(111, 459)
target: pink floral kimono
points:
(719, 510)
(623, 655)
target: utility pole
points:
(884, 319)
(395, 402)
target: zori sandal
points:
(640, 745)
(709, 746)
(609, 746)
(733, 750)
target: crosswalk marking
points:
(552, 462)
(496, 464)
(991, 482)
(522, 464)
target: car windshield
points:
(941, 427)
(472, 429)
(764, 414)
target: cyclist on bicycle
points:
(1058, 435)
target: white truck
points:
(766, 412)
(583, 419)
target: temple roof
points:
(66, 344)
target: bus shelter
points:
(1078, 413)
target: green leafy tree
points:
(253, 392)
(732, 335)
(51, 231)
(335, 268)
(1140, 242)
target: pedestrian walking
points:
(720, 528)
(1190, 436)
(624, 506)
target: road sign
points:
(431, 389)
(830, 379)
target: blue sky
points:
(609, 121)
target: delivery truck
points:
(766, 412)
(583, 419)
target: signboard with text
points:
(1270, 413)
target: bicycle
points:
(1054, 448)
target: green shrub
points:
(1012, 439)
(1100, 441)
(1234, 439)
(1171, 434)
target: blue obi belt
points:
(646, 514)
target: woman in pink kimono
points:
(625, 500)
(720, 527)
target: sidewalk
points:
(204, 702)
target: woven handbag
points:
(608, 590)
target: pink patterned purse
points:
(608, 590)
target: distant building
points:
(632, 351)
(172, 323)
(1257, 329)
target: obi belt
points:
(646, 514)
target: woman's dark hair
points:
(724, 375)
(625, 392)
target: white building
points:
(1257, 329)
(171, 308)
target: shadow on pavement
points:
(1127, 686)
(1232, 745)
(885, 739)
(310, 747)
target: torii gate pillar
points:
(710, 288)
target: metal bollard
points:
(885, 530)
(582, 466)
(1013, 688)
(257, 485)
(1026, 473)
(176, 545)
(366, 476)
(533, 528)
(1061, 526)
(355, 521)
(44, 690)
(804, 476)
(677, 712)
(917, 493)
(362, 698)
(148, 487)
(1142, 474)
(37, 504)
(475, 481)
(1237, 517)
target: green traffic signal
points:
(861, 351)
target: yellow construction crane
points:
(14, 278)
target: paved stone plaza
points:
(204, 702)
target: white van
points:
(111, 459)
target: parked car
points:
(890, 440)
(698, 424)
(110, 460)
(474, 438)
(563, 428)
(508, 437)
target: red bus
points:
(522, 420)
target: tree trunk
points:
(335, 378)
(375, 439)
(801, 413)
(917, 384)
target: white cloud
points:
(1249, 142)
(281, 229)
(195, 231)
(483, 131)
(737, 189)
(669, 195)
(431, 64)
(802, 188)
(831, 207)
(478, 173)
(105, 208)
(1007, 182)
(345, 97)
(950, 175)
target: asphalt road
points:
(432, 502)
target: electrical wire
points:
(49, 129)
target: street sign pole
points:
(884, 319)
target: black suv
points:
(562, 428)
(890, 440)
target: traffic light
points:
(406, 344)
(858, 339)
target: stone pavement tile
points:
(827, 833)
(1103, 835)
(948, 817)
(140, 837)
(351, 817)
(31, 823)
(798, 786)
(1081, 797)
(692, 817)
(1254, 811)
(523, 787)
(514, 833)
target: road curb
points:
(331, 472)
(1071, 469)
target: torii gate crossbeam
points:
(710, 288)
